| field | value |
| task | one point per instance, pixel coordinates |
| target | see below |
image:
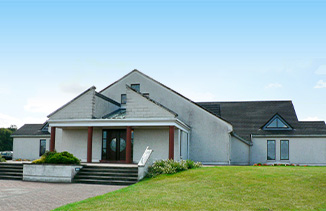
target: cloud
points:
(72, 88)
(273, 86)
(311, 119)
(320, 84)
(321, 70)
(6, 120)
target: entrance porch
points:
(120, 141)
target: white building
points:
(119, 122)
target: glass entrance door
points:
(114, 145)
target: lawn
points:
(222, 188)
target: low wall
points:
(50, 173)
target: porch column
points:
(128, 145)
(171, 142)
(89, 144)
(52, 140)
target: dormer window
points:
(277, 123)
(45, 127)
(135, 87)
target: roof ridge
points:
(92, 87)
(246, 101)
(177, 93)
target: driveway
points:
(21, 195)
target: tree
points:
(5, 139)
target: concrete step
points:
(104, 182)
(111, 175)
(11, 166)
(124, 178)
(111, 168)
(126, 170)
(11, 171)
(105, 173)
(11, 177)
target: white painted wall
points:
(103, 107)
(75, 142)
(239, 152)
(184, 145)
(209, 135)
(310, 151)
(157, 139)
(28, 148)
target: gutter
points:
(241, 139)
(30, 136)
(286, 136)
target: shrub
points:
(171, 167)
(2, 159)
(57, 158)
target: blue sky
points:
(50, 51)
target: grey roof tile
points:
(30, 129)
(248, 117)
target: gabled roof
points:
(93, 87)
(31, 130)
(198, 105)
(153, 101)
(247, 117)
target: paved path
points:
(20, 195)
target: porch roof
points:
(148, 122)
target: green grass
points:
(222, 188)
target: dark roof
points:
(30, 129)
(248, 117)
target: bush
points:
(2, 159)
(171, 167)
(57, 158)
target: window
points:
(123, 99)
(104, 145)
(271, 150)
(136, 87)
(284, 150)
(45, 127)
(277, 123)
(42, 146)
